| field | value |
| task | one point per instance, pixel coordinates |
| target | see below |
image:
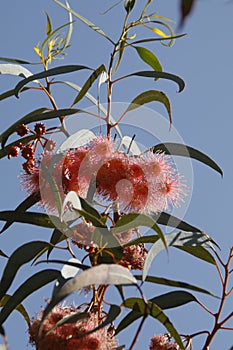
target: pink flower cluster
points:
(162, 342)
(64, 336)
(146, 183)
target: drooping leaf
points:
(186, 7)
(172, 283)
(73, 318)
(148, 57)
(10, 93)
(152, 309)
(161, 33)
(128, 5)
(35, 117)
(156, 75)
(84, 20)
(20, 256)
(172, 221)
(183, 240)
(105, 274)
(32, 284)
(19, 307)
(147, 97)
(14, 60)
(142, 239)
(89, 83)
(173, 299)
(78, 139)
(178, 149)
(15, 69)
(48, 73)
(147, 40)
(75, 264)
(57, 237)
(119, 55)
(130, 221)
(32, 218)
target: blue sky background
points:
(202, 114)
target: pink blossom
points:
(162, 342)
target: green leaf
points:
(14, 60)
(119, 55)
(10, 93)
(49, 24)
(35, 117)
(3, 254)
(19, 307)
(148, 57)
(172, 221)
(32, 284)
(184, 240)
(179, 149)
(142, 239)
(147, 97)
(57, 237)
(84, 20)
(129, 221)
(153, 74)
(22, 207)
(21, 256)
(142, 41)
(128, 5)
(89, 83)
(138, 305)
(172, 283)
(104, 274)
(173, 299)
(104, 238)
(185, 9)
(48, 73)
(32, 218)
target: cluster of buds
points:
(66, 335)
(28, 149)
(162, 342)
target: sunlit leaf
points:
(46, 74)
(19, 307)
(148, 57)
(36, 116)
(147, 97)
(78, 139)
(183, 240)
(179, 149)
(19, 257)
(68, 214)
(152, 309)
(49, 24)
(172, 283)
(31, 285)
(15, 69)
(153, 74)
(84, 20)
(105, 274)
(89, 83)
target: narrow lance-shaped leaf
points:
(172, 283)
(89, 83)
(156, 75)
(84, 20)
(172, 221)
(147, 97)
(48, 73)
(102, 274)
(19, 307)
(130, 221)
(34, 117)
(148, 57)
(21, 256)
(14, 60)
(128, 5)
(183, 240)
(57, 237)
(22, 207)
(15, 69)
(179, 149)
(31, 285)
(49, 24)
(10, 93)
(156, 312)
(148, 40)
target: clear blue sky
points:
(202, 114)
